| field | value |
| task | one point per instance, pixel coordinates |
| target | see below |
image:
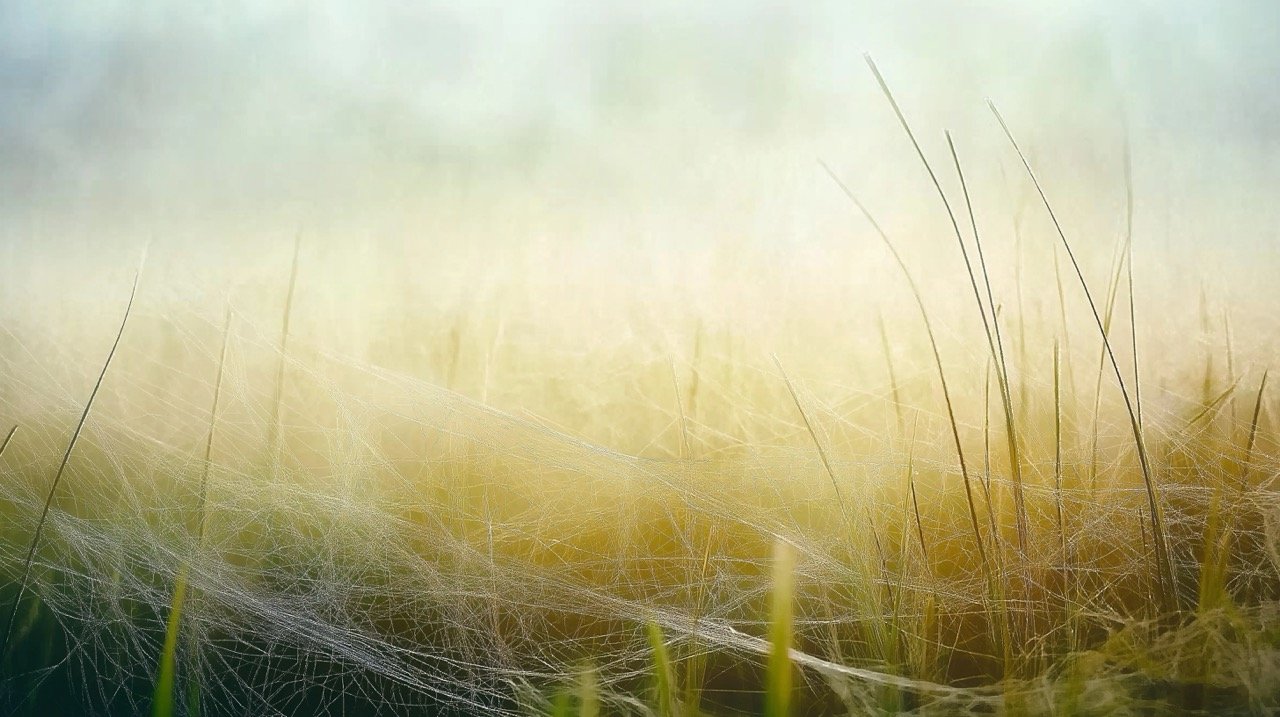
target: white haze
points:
(412, 133)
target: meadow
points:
(965, 467)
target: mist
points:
(172, 118)
(509, 357)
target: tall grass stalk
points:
(588, 692)
(1119, 260)
(1231, 364)
(996, 550)
(1128, 241)
(983, 310)
(62, 467)
(937, 358)
(213, 426)
(1057, 450)
(995, 586)
(684, 422)
(868, 595)
(915, 501)
(1002, 367)
(273, 438)
(777, 697)
(1067, 580)
(695, 372)
(1164, 564)
(1018, 255)
(1219, 531)
(162, 703)
(695, 662)
(1066, 329)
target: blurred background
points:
(167, 118)
(440, 250)
(438, 157)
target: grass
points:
(162, 702)
(673, 525)
(777, 696)
(664, 694)
(1169, 585)
(62, 466)
(987, 313)
(273, 436)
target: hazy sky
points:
(266, 106)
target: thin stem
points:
(8, 437)
(1253, 432)
(893, 377)
(822, 453)
(57, 478)
(1157, 524)
(1128, 241)
(937, 356)
(996, 352)
(273, 441)
(213, 422)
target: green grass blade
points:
(162, 702)
(562, 705)
(777, 698)
(662, 672)
(588, 693)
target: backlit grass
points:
(574, 499)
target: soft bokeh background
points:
(165, 117)
(568, 162)
(516, 388)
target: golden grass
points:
(541, 511)
(550, 547)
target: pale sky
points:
(256, 106)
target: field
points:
(942, 434)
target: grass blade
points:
(937, 356)
(1253, 433)
(893, 377)
(822, 453)
(684, 422)
(1128, 242)
(273, 439)
(985, 312)
(1163, 562)
(588, 693)
(62, 467)
(663, 675)
(915, 502)
(8, 437)
(997, 354)
(213, 423)
(162, 701)
(777, 698)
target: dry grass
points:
(597, 503)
